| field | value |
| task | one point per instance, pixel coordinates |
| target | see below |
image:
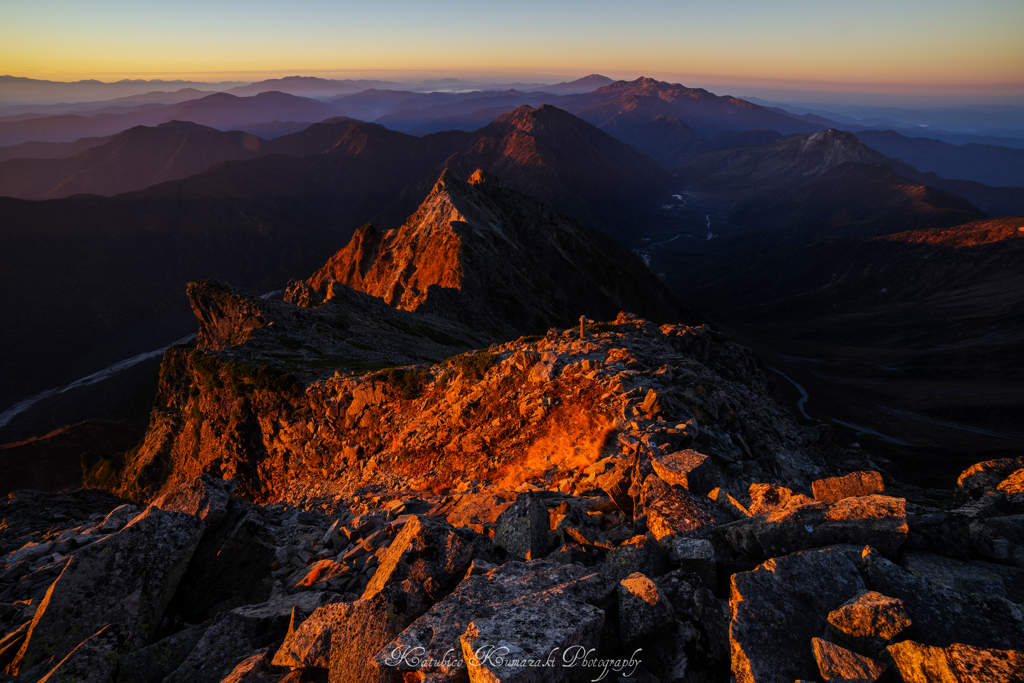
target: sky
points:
(937, 47)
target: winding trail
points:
(804, 396)
(98, 376)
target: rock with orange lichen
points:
(691, 470)
(848, 486)
(839, 664)
(770, 497)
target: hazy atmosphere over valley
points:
(667, 343)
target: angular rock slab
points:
(779, 606)
(839, 664)
(427, 552)
(125, 579)
(672, 510)
(310, 644)
(530, 645)
(643, 609)
(852, 485)
(234, 635)
(366, 626)
(878, 521)
(692, 470)
(871, 615)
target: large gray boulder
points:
(779, 606)
(528, 644)
(534, 587)
(125, 579)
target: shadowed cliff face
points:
(495, 259)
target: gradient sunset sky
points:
(934, 46)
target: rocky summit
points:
(404, 484)
(497, 260)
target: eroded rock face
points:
(126, 579)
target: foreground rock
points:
(127, 579)
(780, 606)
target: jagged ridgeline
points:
(449, 476)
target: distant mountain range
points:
(647, 163)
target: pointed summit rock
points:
(482, 254)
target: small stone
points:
(871, 615)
